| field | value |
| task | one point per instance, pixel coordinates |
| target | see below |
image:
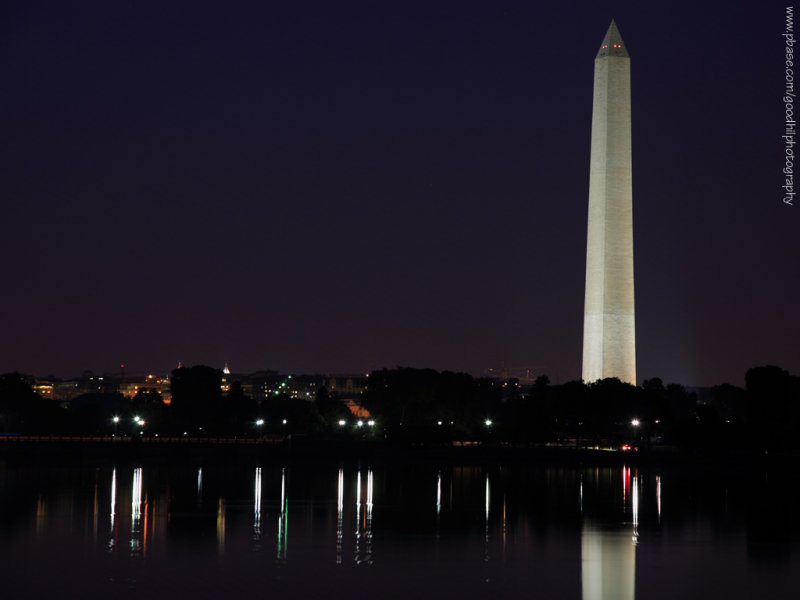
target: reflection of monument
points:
(608, 321)
(608, 563)
(608, 550)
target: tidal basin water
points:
(243, 528)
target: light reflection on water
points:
(340, 518)
(113, 496)
(221, 526)
(138, 536)
(592, 533)
(486, 526)
(112, 540)
(363, 521)
(658, 496)
(257, 506)
(439, 493)
(283, 520)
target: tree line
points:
(433, 406)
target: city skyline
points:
(319, 189)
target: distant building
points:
(45, 389)
(65, 391)
(348, 389)
(346, 386)
(260, 386)
(60, 391)
(131, 386)
(268, 384)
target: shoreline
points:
(92, 449)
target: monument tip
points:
(612, 44)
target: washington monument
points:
(609, 347)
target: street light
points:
(488, 422)
(116, 421)
(342, 422)
(635, 424)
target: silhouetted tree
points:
(730, 402)
(238, 411)
(529, 418)
(773, 407)
(22, 410)
(91, 414)
(147, 398)
(330, 407)
(301, 416)
(196, 396)
(411, 402)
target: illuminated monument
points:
(609, 348)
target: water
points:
(303, 530)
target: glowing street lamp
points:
(342, 422)
(488, 422)
(115, 419)
(635, 424)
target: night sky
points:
(329, 187)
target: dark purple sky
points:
(313, 189)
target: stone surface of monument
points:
(609, 347)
